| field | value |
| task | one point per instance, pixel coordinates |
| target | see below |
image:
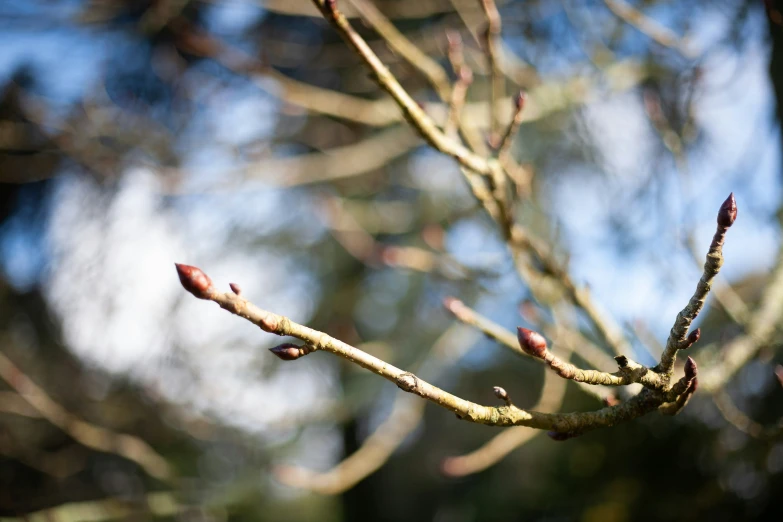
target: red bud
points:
(532, 343)
(235, 288)
(287, 351)
(693, 337)
(691, 370)
(194, 280)
(728, 212)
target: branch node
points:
(407, 382)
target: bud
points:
(779, 373)
(331, 5)
(694, 337)
(235, 288)
(500, 393)
(519, 101)
(287, 351)
(532, 343)
(691, 370)
(194, 280)
(611, 400)
(728, 212)
(622, 361)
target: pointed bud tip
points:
(691, 369)
(194, 280)
(287, 351)
(235, 288)
(532, 343)
(728, 212)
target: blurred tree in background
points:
(247, 138)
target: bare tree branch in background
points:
(487, 178)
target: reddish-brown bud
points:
(728, 212)
(691, 370)
(519, 101)
(235, 288)
(331, 5)
(693, 337)
(611, 400)
(194, 280)
(287, 351)
(532, 343)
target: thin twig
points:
(492, 49)
(563, 425)
(646, 25)
(405, 416)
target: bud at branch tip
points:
(194, 280)
(728, 212)
(532, 343)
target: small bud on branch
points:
(728, 212)
(532, 343)
(502, 394)
(290, 351)
(691, 370)
(194, 280)
(693, 338)
(235, 288)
